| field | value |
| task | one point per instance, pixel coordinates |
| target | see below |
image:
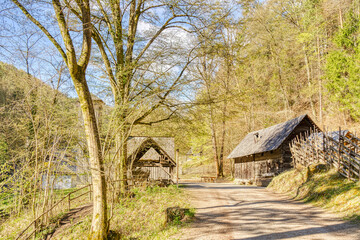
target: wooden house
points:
(64, 172)
(151, 158)
(266, 152)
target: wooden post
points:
(324, 146)
(293, 155)
(69, 202)
(349, 168)
(177, 166)
(306, 148)
(312, 143)
(317, 143)
(339, 149)
(254, 167)
(34, 237)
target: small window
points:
(271, 151)
(262, 154)
(256, 137)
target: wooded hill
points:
(281, 60)
(38, 124)
(230, 68)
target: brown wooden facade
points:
(273, 162)
(261, 164)
(152, 158)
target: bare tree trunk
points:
(122, 159)
(320, 80)
(77, 67)
(222, 145)
(99, 225)
(309, 80)
(219, 170)
(215, 147)
(121, 136)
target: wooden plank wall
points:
(244, 170)
(266, 164)
(157, 173)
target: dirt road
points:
(227, 211)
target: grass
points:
(141, 217)
(12, 225)
(196, 163)
(326, 189)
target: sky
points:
(21, 40)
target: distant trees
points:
(342, 67)
(39, 124)
(286, 58)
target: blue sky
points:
(17, 35)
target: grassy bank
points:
(140, 217)
(326, 189)
(12, 224)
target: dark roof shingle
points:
(267, 139)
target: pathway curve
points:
(228, 211)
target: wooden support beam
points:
(159, 165)
(177, 166)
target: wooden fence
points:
(65, 204)
(340, 149)
(62, 205)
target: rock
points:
(263, 182)
(317, 168)
(113, 235)
(177, 214)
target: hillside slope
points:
(326, 189)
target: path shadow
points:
(303, 232)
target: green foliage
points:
(347, 37)
(3, 151)
(343, 69)
(38, 124)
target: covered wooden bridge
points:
(151, 158)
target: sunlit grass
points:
(141, 217)
(325, 189)
(11, 226)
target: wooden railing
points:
(339, 149)
(65, 200)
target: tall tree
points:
(77, 65)
(146, 48)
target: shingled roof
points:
(164, 143)
(267, 139)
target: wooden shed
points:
(151, 158)
(266, 152)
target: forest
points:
(78, 78)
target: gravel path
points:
(227, 211)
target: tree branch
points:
(42, 28)
(71, 60)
